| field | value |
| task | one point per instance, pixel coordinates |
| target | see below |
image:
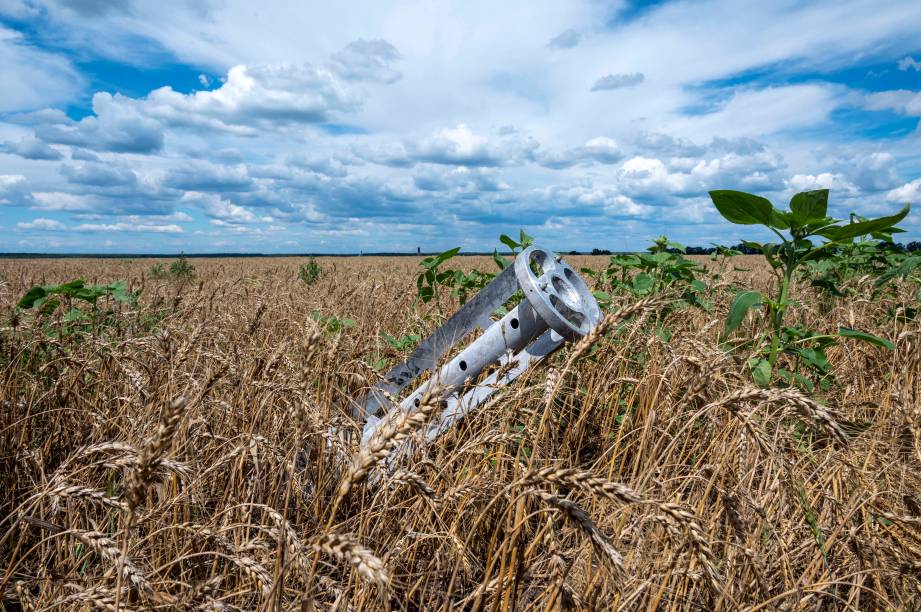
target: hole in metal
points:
(514, 323)
(567, 292)
(536, 262)
(462, 365)
(575, 318)
(416, 402)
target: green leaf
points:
(75, 314)
(509, 241)
(32, 296)
(847, 332)
(849, 232)
(743, 208)
(443, 257)
(815, 358)
(781, 219)
(502, 262)
(642, 283)
(809, 206)
(524, 240)
(761, 371)
(740, 307)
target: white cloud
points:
(567, 39)
(8, 181)
(902, 101)
(33, 78)
(907, 193)
(129, 227)
(269, 96)
(367, 60)
(618, 81)
(119, 125)
(824, 180)
(42, 224)
(909, 63)
(457, 146)
(61, 201)
(218, 208)
(600, 149)
(30, 148)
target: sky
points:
(330, 127)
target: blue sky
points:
(229, 126)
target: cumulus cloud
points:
(118, 125)
(909, 192)
(909, 63)
(592, 200)
(328, 165)
(41, 224)
(129, 227)
(265, 97)
(99, 175)
(61, 201)
(205, 176)
(219, 209)
(600, 150)
(567, 39)
(618, 81)
(250, 99)
(30, 148)
(14, 189)
(871, 172)
(823, 180)
(367, 60)
(461, 180)
(459, 146)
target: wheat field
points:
(185, 456)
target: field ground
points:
(647, 472)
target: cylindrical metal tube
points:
(512, 333)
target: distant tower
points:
(418, 250)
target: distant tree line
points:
(912, 247)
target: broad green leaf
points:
(814, 358)
(32, 296)
(908, 265)
(509, 242)
(524, 240)
(847, 332)
(642, 283)
(743, 208)
(443, 257)
(740, 307)
(426, 294)
(781, 219)
(75, 314)
(809, 206)
(502, 262)
(848, 232)
(761, 371)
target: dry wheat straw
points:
(345, 547)
(805, 406)
(582, 520)
(391, 431)
(107, 549)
